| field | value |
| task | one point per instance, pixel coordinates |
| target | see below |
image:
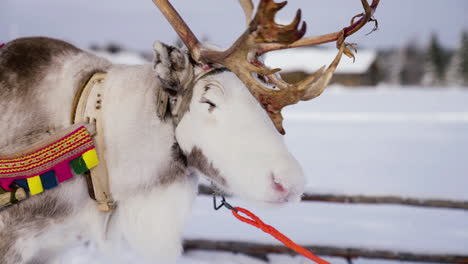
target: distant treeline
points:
(413, 64)
(431, 65)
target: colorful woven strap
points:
(73, 154)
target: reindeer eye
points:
(206, 101)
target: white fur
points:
(151, 224)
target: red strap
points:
(255, 221)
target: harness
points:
(79, 149)
(87, 107)
(47, 163)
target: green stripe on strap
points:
(78, 165)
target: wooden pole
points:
(262, 251)
(366, 199)
(363, 199)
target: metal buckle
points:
(223, 203)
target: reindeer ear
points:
(174, 70)
(172, 67)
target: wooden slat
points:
(262, 250)
(367, 199)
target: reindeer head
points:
(228, 128)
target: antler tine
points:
(369, 11)
(314, 89)
(248, 8)
(184, 32)
(268, 31)
(262, 29)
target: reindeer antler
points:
(248, 8)
(264, 35)
(365, 17)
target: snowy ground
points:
(408, 142)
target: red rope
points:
(255, 221)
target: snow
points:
(311, 59)
(387, 141)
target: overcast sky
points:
(137, 23)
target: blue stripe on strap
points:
(22, 183)
(49, 180)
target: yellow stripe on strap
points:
(90, 158)
(35, 185)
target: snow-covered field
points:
(408, 141)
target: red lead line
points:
(257, 222)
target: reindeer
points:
(189, 113)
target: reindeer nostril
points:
(278, 186)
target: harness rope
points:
(255, 221)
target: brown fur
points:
(170, 81)
(176, 170)
(199, 161)
(7, 248)
(23, 63)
